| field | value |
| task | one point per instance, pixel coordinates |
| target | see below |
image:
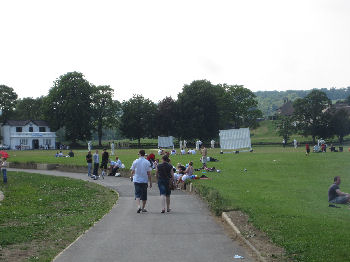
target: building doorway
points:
(35, 144)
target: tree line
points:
(200, 110)
(270, 101)
(315, 116)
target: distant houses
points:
(286, 109)
(27, 134)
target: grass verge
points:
(284, 193)
(41, 214)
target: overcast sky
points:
(155, 47)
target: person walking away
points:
(141, 174)
(105, 158)
(96, 158)
(89, 163)
(164, 173)
(4, 169)
(307, 147)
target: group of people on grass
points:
(60, 154)
(93, 163)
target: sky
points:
(154, 48)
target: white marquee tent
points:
(165, 141)
(235, 139)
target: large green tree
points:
(8, 99)
(138, 118)
(198, 112)
(340, 123)
(285, 126)
(105, 110)
(238, 107)
(29, 108)
(311, 115)
(166, 117)
(68, 105)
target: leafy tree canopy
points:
(68, 105)
(138, 118)
(8, 99)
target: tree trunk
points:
(341, 139)
(314, 140)
(139, 142)
(99, 132)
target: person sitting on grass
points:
(188, 174)
(336, 196)
(114, 166)
(71, 154)
(180, 171)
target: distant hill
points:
(269, 101)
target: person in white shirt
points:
(212, 143)
(183, 152)
(114, 166)
(141, 174)
(112, 148)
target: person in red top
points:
(307, 147)
(151, 158)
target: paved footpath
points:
(188, 233)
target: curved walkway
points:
(188, 233)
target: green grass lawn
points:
(285, 194)
(41, 215)
(283, 191)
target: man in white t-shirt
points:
(141, 174)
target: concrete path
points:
(188, 233)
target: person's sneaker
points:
(168, 210)
(144, 210)
(139, 210)
(163, 211)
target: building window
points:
(19, 129)
(23, 141)
(47, 142)
(30, 129)
(42, 129)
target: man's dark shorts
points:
(104, 165)
(141, 190)
(339, 200)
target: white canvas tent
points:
(165, 141)
(235, 139)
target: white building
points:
(27, 134)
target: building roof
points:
(286, 109)
(25, 122)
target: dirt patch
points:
(270, 251)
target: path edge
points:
(229, 221)
(82, 234)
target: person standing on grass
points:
(164, 173)
(141, 174)
(4, 169)
(89, 163)
(307, 147)
(204, 153)
(335, 195)
(96, 158)
(105, 159)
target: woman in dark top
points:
(164, 173)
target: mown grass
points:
(284, 193)
(41, 215)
